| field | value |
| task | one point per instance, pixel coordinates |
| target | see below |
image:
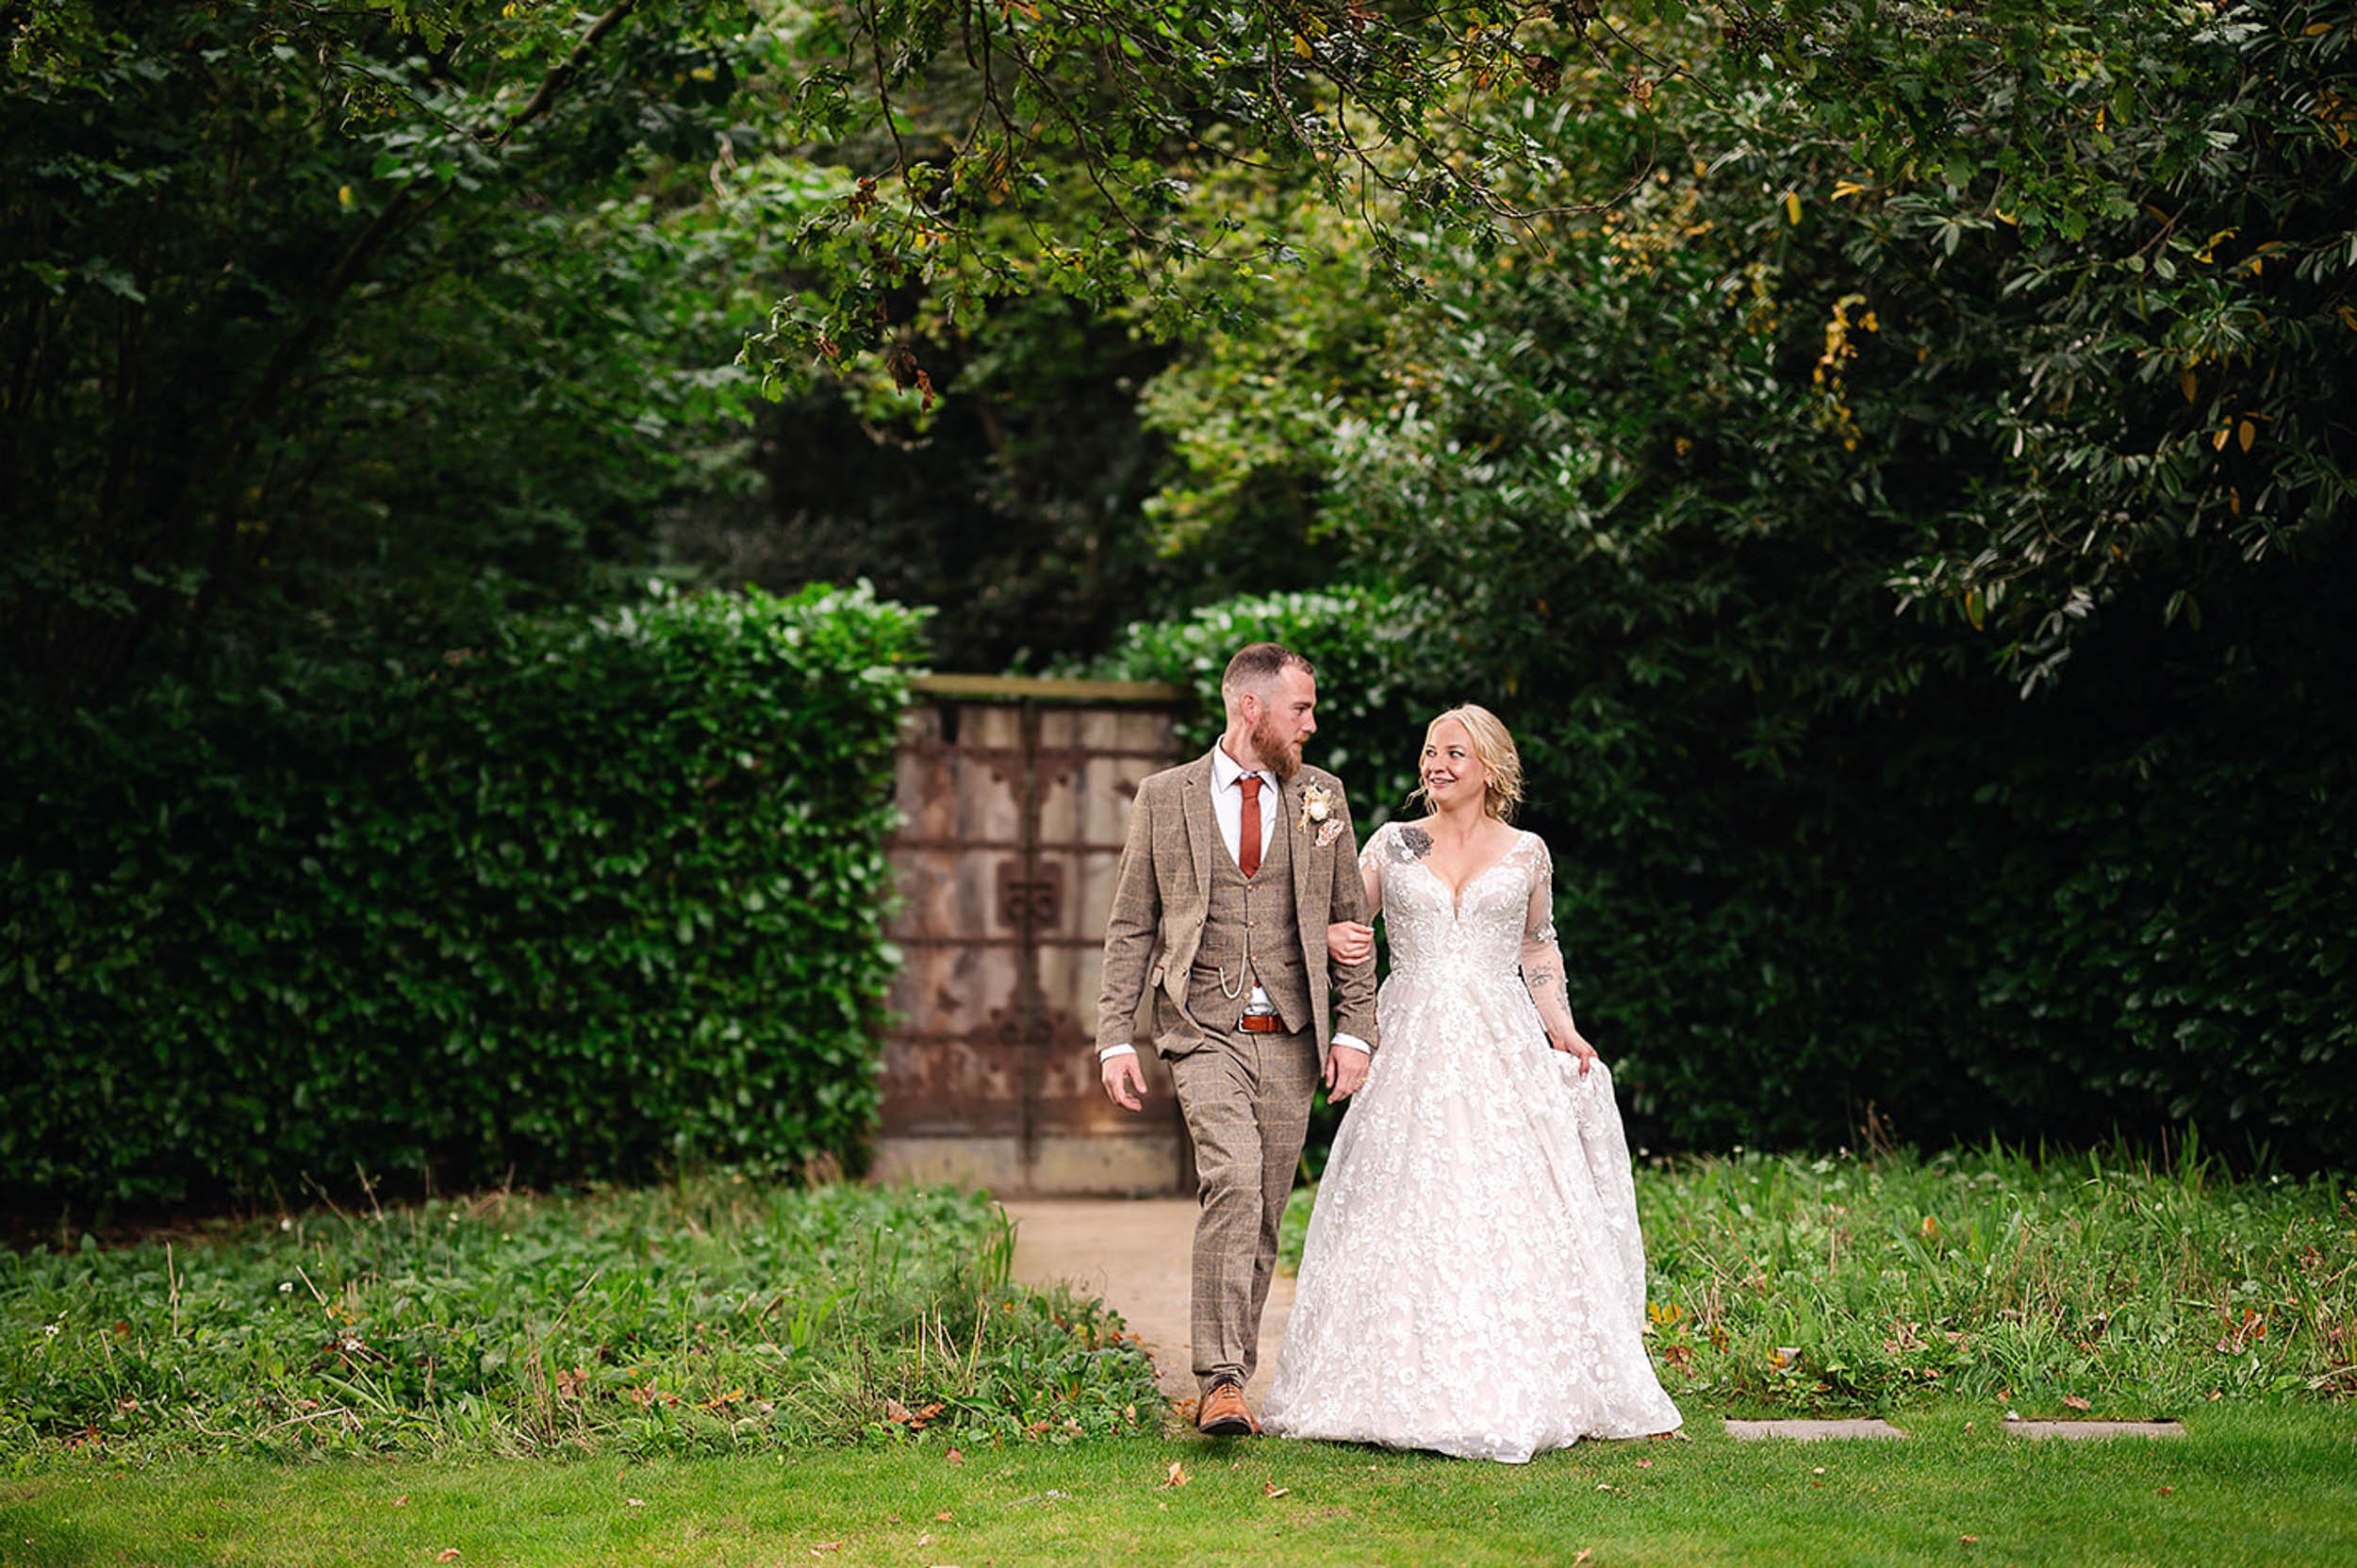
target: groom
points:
(1234, 866)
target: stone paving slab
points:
(2094, 1429)
(1813, 1431)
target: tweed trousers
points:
(1246, 1102)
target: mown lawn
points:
(2273, 1486)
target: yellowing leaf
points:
(2075, 1402)
(1847, 187)
(1270, 1489)
(344, 196)
(1301, 46)
(1791, 207)
(2219, 439)
(2246, 432)
(2188, 384)
(1178, 1475)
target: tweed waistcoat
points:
(1250, 934)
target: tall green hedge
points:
(2125, 906)
(606, 895)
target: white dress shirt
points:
(1228, 810)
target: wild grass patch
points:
(2088, 1285)
(713, 1316)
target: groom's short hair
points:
(1259, 663)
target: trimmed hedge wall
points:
(603, 897)
(2126, 907)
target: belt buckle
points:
(1261, 1023)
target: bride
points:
(1474, 1282)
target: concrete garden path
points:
(1134, 1253)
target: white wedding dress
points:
(1474, 1282)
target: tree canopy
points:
(285, 284)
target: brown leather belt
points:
(1261, 1023)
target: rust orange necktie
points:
(1249, 841)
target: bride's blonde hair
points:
(1494, 745)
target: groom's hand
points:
(1125, 1081)
(1346, 1069)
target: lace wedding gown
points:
(1474, 1282)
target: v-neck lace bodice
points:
(1480, 928)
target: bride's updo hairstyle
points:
(1494, 745)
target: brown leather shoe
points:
(1223, 1414)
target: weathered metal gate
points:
(1014, 795)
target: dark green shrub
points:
(2119, 907)
(602, 896)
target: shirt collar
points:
(1225, 770)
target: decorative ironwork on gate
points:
(1014, 795)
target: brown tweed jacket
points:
(1163, 893)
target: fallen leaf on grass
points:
(1970, 1540)
(401, 1501)
(1817, 1471)
(1178, 1475)
(826, 1546)
(1270, 1489)
(2075, 1402)
(1644, 1464)
(1606, 1486)
(633, 1502)
(448, 1554)
(2163, 1491)
(941, 1518)
(954, 1456)
(1585, 1553)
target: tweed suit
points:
(1186, 926)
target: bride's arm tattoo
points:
(1417, 842)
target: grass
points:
(721, 1315)
(1792, 1285)
(726, 1372)
(2264, 1485)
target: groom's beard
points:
(1275, 754)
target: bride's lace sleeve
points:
(1370, 870)
(1543, 957)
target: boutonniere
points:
(1318, 812)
